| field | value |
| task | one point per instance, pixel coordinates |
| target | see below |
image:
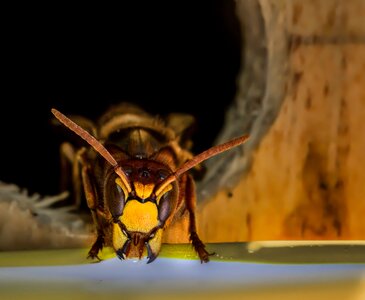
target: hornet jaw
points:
(139, 241)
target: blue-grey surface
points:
(173, 274)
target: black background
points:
(175, 56)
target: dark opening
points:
(166, 57)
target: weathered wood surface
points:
(303, 174)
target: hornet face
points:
(139, 216)
(138, 233)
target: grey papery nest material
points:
(32, 222)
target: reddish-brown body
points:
(135, 178)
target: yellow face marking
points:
(120, 183)
(123, 178)
(163, 192)
(156, 241)
(118, 237)
(139, 216)
(143, 191)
